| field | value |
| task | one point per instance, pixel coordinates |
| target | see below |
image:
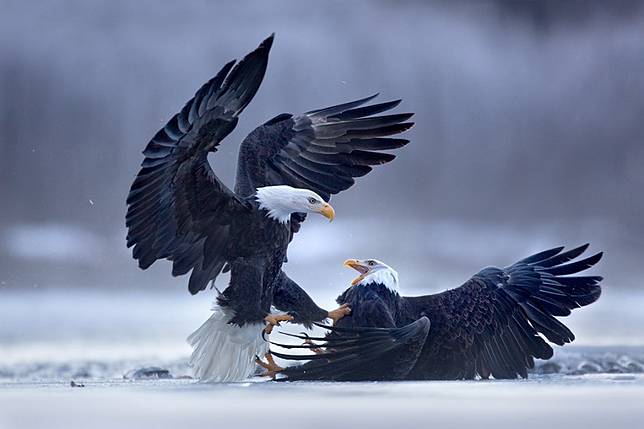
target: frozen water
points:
(592, 401)
(98, 338)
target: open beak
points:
(327, 211)
(359, 267)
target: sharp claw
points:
(270, 366)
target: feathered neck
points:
(277, 201)
(387, 277)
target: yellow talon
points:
(273, 320)
(339, 313)
(272, 369)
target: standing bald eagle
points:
(180, 211)
(493, 325)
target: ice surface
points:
(50, 337)
(553, 402)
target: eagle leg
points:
(339, 313)
(273, 320)
(272, 369)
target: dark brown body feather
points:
(495, 324)
(179, 210)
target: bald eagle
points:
(179, 210)
(493, 325)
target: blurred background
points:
(529, 134)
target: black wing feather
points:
(359, 354)
(322, 150)
(499, 315)
(177, 207)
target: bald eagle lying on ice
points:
(179, 210)
(493, 325)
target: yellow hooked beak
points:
(359, 267)
(327, 211)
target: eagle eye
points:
(312, 200)
(371, 263)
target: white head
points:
(373, 271)
(282, 201)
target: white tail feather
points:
(224, 352)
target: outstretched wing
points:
(322, 150)
(177, 207)
(357, 354)
(491, 324)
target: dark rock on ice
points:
(148, 373)
(549, 368)
(630, 365)
(82, 373)
(588, 367)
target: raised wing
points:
(493, 324)
(177, 207)
(322, 150)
